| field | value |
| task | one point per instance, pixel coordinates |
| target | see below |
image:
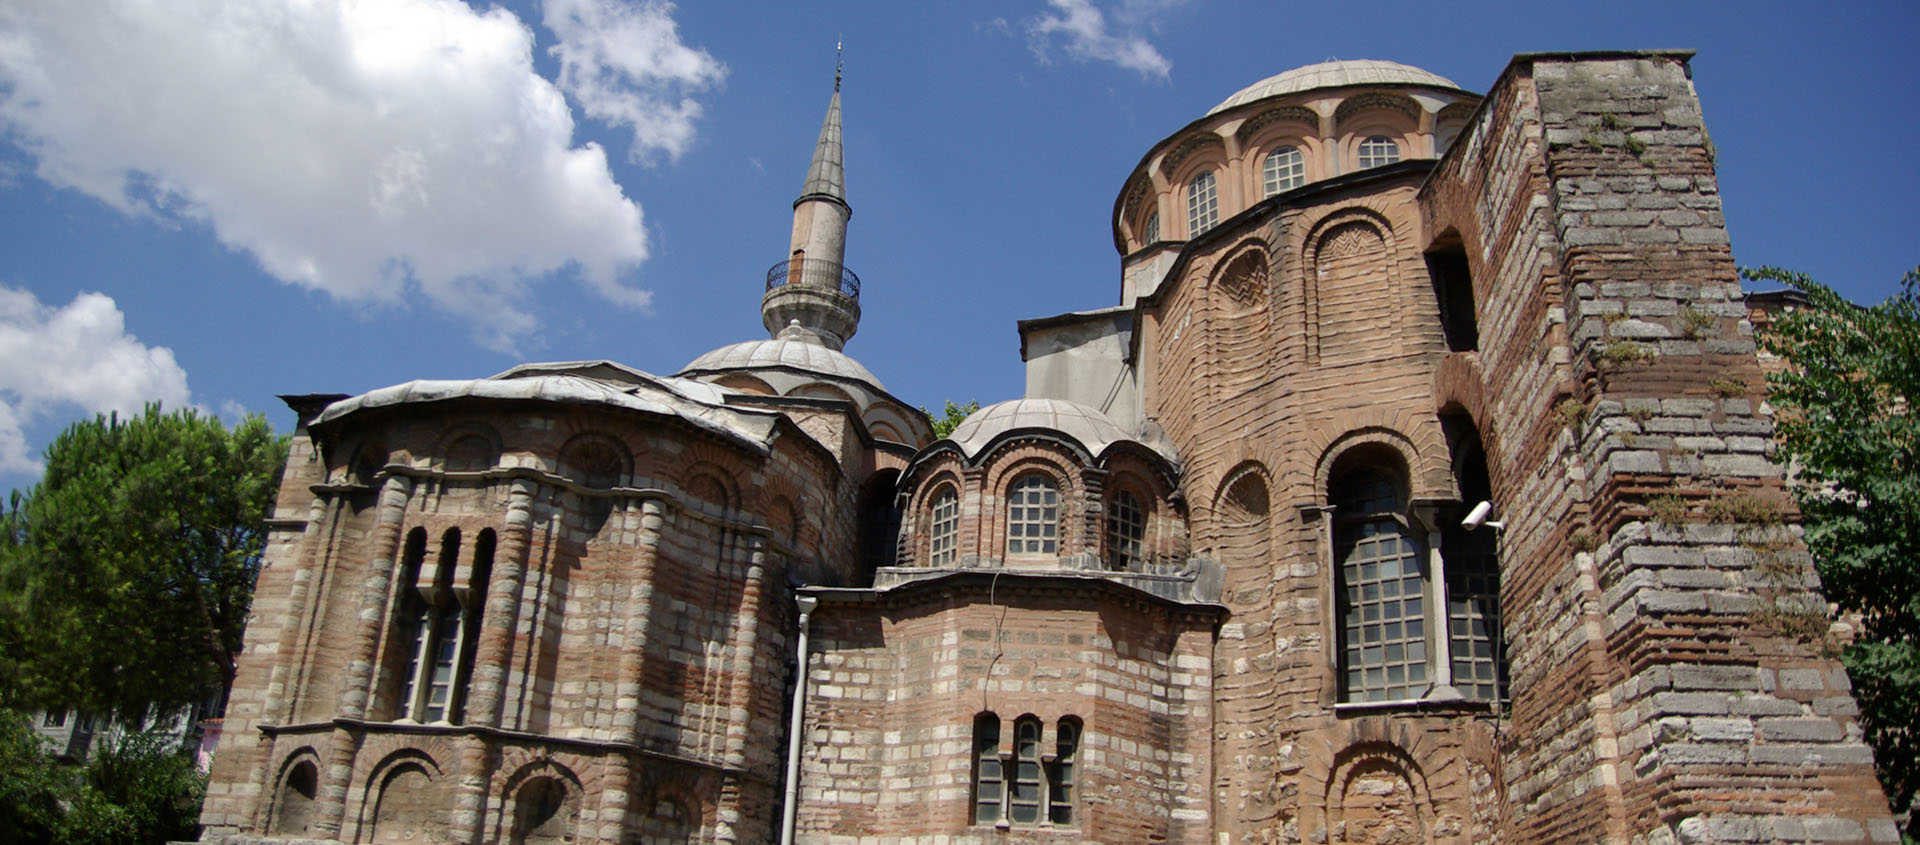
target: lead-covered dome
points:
(1092, 429)
(1333, 75)
(797, 354)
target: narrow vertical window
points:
(1382, 592)
(1033, 517)
(1203, 204)
(473, 602)
(1153, 229)
(1060, 778)
(1023, 803)
(439, 636)
(1473, 614)
(945, 534)
(1126, 527)
(989, 782)
(1378, 150)
(1283, 170)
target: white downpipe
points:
(791, 807)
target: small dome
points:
(1334, 75)
(798, 354)
(1088, 426)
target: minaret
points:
(812, 296)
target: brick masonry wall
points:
(640, 663)
(897, 679)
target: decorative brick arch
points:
(595, 459)
(414, 782)
(1459, 386)
(1020, 456)
(1424, 451)
(1179, 164)
(1353, 750)
(467, 447)
(669, 809)
(293, 804)
(1377, 793)
(1357, 247)
(523, 787)
(917, 523)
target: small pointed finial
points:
(836, 66)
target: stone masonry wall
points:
(1649, 537)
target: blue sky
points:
(212, 205)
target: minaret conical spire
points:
(827, 174)
(812, 296)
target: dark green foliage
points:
(125, 575)
(1847, 421)
(944, 424)
(133, 790)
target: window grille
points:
(946, 529)
(1382, 593)
(1378, 150)
(1033, 517)
(1126, 528)
(1284, 170)
(1203, 205)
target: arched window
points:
(944, 537)
(1283, 170)
(1126, 528)
(1060, 772)
(1033, 517)
(1023, 787)
(1470, 557)
(1383, 612)
(989, 781)
(1023, 802)
(442, 613)
(1378, 150)
(1153, 229)
(1203, 204)
(293, 812)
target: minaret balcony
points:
(820, 275)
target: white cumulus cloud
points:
(365, 148)
(1090, 36)
(78, 355)
(624, 63)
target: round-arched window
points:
(1378, 150)
(1033, 517)
(943, 543)
(1283, 170)
(1203, 204)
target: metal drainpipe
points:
(790, 809)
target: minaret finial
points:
(836, 66)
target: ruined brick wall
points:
(1654, 587)
(897, 680)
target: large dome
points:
(1333, 75)
(797, 354)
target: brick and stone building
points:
(1416, 489)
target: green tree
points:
(1847, 422)
(133, 790)
(126, 573)
(944, 424)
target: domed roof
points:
(1333, 75)
(798, 354)
(1088, 426)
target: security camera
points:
(1478, 517)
